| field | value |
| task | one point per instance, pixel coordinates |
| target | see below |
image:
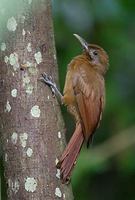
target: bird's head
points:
(96, 55)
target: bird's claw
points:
(48, 80)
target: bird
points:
(84, 96)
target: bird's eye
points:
(95, 53)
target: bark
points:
(32, 129)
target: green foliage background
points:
(111, 24)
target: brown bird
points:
(84, 95)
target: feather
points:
(69, 156)
(88, 90)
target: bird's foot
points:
(48, 80)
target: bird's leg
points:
(48, 81)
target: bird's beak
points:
(82, 41)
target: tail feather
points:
(69, 156)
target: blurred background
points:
(107, 169)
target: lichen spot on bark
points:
(11, 24)
(29, 49)
(29, 89)
(14, 138)
(56, 161)
(13, 60)
(23, 139)
(58, 173)
(15, 186)
(35, 111)
(54, 56)
(38, 57)
(30, 184)
(59, 134)
(3, 46)
(6, 59)
(14, 93)
(29, 152)
(26, 80)
(58, 192)
(7, 107)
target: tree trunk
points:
(32, 129)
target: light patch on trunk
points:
(14, 138)
(30, 184)
(38, 57)
(23, 139)
(33, 69)
(29, 152)
(59, 135)
(8, 107)
(3, 46)
(14, 93)
(6, 59)
(13, 60)
(29, 89)
(26, 80)
(14, 185)
(26, 83)
(58, 192)
(11, 24)
(29, 47)
(54, 56)
(35, 111)
(58, 173)
(56, 161)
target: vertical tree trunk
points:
(32, 129)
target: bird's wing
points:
(89, 94)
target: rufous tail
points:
(69, 156)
